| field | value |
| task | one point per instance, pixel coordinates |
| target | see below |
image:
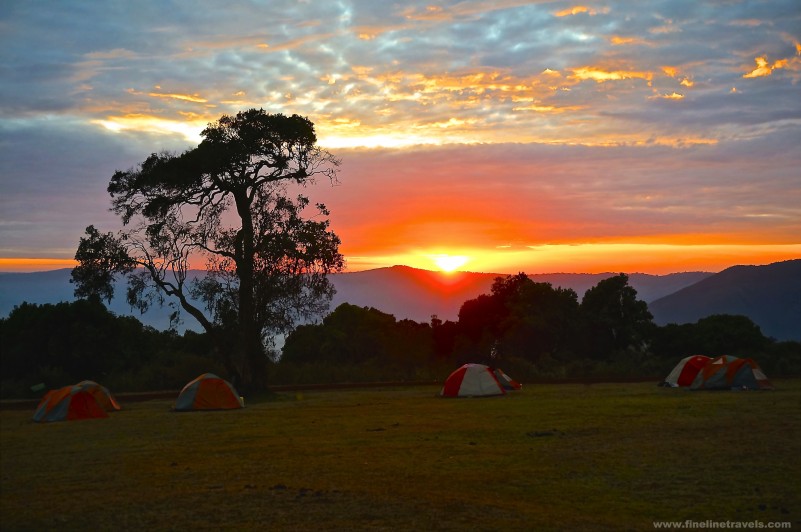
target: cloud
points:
(764, 68)
(600, 75)
(577, 10)
(55, 175)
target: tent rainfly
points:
(101, 395)
(685, 371)
(69, 403)
(731, 373)
(472, 380)
(208, 392)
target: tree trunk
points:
(250, 350)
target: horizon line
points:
(438, 272)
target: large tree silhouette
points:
(225, 203)
(613, 318)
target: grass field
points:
(551, 457)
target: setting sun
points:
(449, 263)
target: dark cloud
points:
(54, 179)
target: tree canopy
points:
(225, 204)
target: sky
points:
(500, 136)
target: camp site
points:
(600, 456)
(367, 422)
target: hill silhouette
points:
(769, 295)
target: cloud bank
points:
(478, 126)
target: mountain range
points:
(769, 295)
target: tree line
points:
(532, 330)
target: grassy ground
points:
(552, 457)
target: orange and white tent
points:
(68, 404)
(472, 380)
(731, 373)
(208, 392)
(101, 395)
(685, 371)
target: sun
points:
(449, 263)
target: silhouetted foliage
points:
(713, 336)
(226, 202)
(542, 322)
(536, 332)
(100, 257)
(613, 319)
(518, 318)
(69, 342)
(353, 335)
(443, 337)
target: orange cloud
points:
(670, 71)
(548, 108)
(578, 10)
(764, 68)
(618, 41)
(674, 72)
(671, 96)
(601, 76)
(185, 97)
(195, 98)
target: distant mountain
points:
(54, 287)
(769, 295)
(409, 293)
(406, 293)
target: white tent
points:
(472, 380)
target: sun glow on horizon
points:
(449, 263)
(652, 258)
(27, 265)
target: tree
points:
(224, 202)
(715, 335)
(518, 318)
(69, 341)
(363, 336)
(614, 319)
(481, 318)
(542, 321)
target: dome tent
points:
(685, 371)
(69, 403)
(731, 373)
(208, 392)
(101, 395)
(472, 380)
